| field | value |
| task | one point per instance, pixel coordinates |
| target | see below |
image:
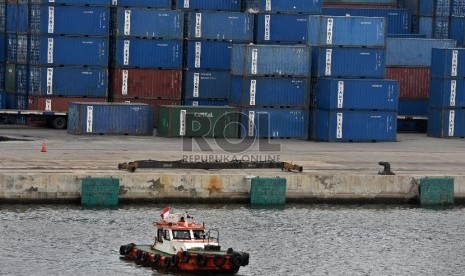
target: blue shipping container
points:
(167, 24)
(203, 84)
(399, 21)
(69, 20)
(217, 5)
(353, 125)
(231, 26)
(274, 123)
(457, 30)
(162, 4)
(2, 74)
(435, 7)
(2, 16)
(270, 91)
(283, 6)
(77, 2)
(17, 18)
(68, 81)
(271, 60)
(274, 28)
(426, 26)
(16, 48)
(148, 53)
(2, 99)
(206, 102)
(446, 123)
(340, 30)
(361, 94)
(213, 55)
(110, 118)
(458, 8)
(447, 93)
(406, 36)
(68, 51)
(413, 51)
(348, 62)
(448, 62)
(413, 107)
(3, 49)
(441, 27)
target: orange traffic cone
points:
(44, 147)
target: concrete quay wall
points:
(216, 187)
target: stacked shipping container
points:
(408, 61)
(146, 53)
(446, 116)
(271, 85)
(52, 60)
(212, 28)
(16, 68)
(67, 61)
(352, 101)
(271, 80)
(3, 95)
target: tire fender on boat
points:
(144, 257)
(167, 262)
(139, 254)
(185, 257)
(219, 260)
(201, 260)
(236, 259)
(122, 249)
(174, 261)
(156, 258)
(245, 259)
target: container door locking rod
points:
(180, 164)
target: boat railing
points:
(213, 236)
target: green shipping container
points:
(437, 191)
(99, 192)
(198, 121)
(268, 191)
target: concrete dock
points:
(333, 172)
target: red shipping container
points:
(148, 83)
(57, 103)
(153, 102)
(414, 82)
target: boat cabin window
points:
(199, 234)
(160, 234)
(181, 234)
(166, 235)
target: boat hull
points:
(192, 260)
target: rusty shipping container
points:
(145, 83)
(155, 103)
(57, 103)
(414, 82)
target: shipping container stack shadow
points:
(67, 53)
(351, 99)
(146, 53)
(271, 78)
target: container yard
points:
(358, 71)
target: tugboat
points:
(183, 245)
